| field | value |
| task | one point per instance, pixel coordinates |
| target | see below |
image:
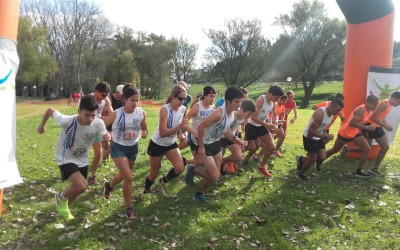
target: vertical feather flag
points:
(9, 62)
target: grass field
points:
(330, 211)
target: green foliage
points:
(183, 58)
(317, 43)
(120, 64)
(239, 52)
(36, 61)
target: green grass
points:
(246, 212)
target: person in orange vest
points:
(352, 131)
(289, 106)
(377, 118)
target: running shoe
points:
(130, 214)
(262, 170)
(62, 207)
(359, 173)
(301, 176)
(318, 166)
(92, 180)
(277, 154)
(375, 171)
(344, 151)
(232, 167)
(107, 189)
(189, 177)
(162, 185)
(201, 197)
(299, 161)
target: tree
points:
(153, 54)
(36, 61)
(239, 54)
(76, 31)
(120, 65)
(183, 58)
(318, 42)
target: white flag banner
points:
(382, 82)
(9, 61)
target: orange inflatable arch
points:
(369, 42)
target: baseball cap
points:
(119, 88)
(208, 90)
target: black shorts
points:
(213, 148)
(156, 150)
(68, 169)
(226, 142)
(312, 146)
(253, 132)
(348, 139)
(193, 147)
(376, 134)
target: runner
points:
(101, 95)
(247, 108)
(351, 131)
(163, 142)
(197, 114)
(259, 127)
(209, 133)
(377, 118)
(116, 103)
(326, 104)
(289, 106)
(315, 135)
(77, 134)
(129, 125)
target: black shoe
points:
(92, 180)
(107, 189)
(318, 166)
(359, 173)
(299, 161)
(301, 176)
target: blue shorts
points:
(130, 152)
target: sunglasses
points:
(181, 98)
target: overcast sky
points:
(191, 18)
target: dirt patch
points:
(151, 102)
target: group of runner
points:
(212, 131)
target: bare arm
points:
(49, 113)
(295, 113)
(108, 120)
(143, 126)
(354, 122)
(381, 108)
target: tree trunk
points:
(307, 94)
